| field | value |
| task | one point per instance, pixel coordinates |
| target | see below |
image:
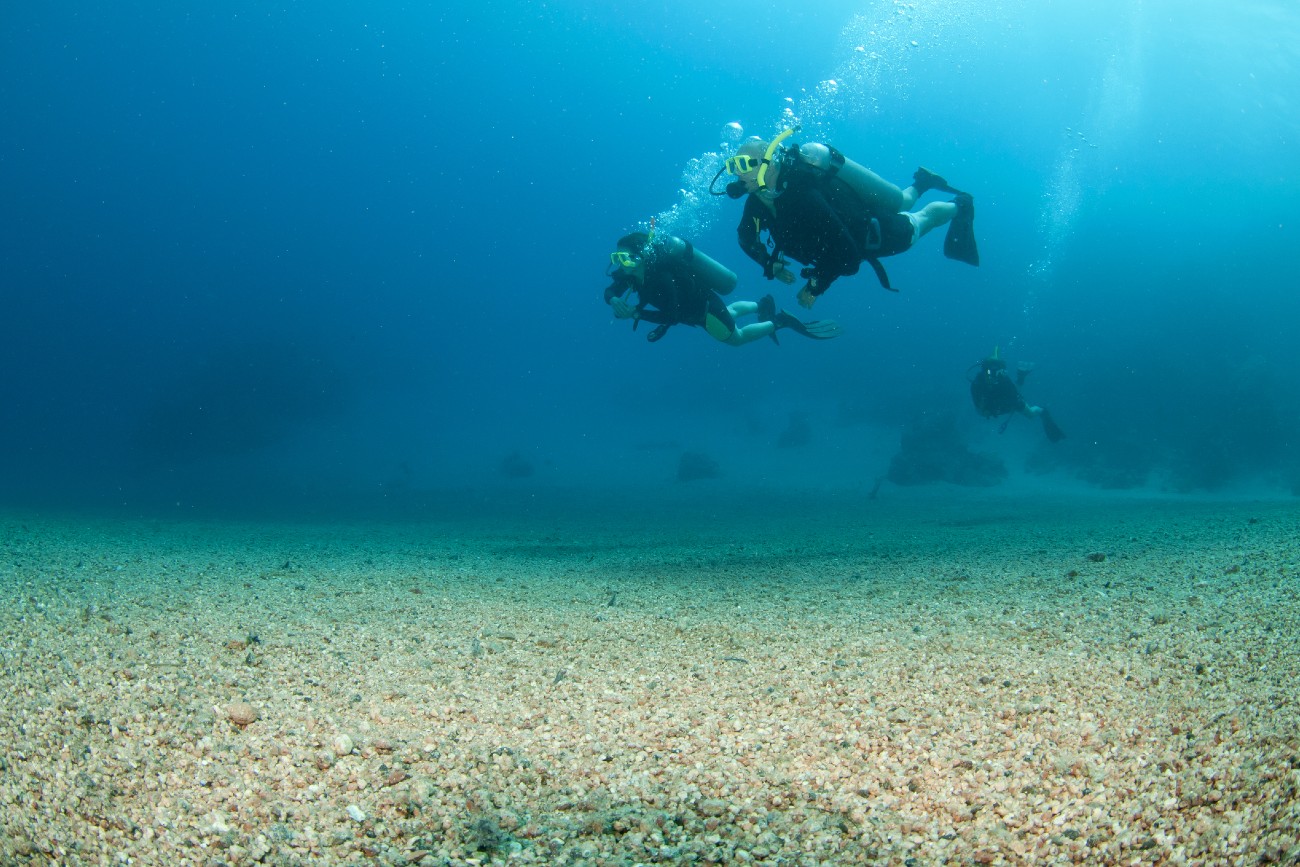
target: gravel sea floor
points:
(925, 678)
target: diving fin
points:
(1054, 433)
(925, 180)
(818, 329)
(959, 243)
(822, 329)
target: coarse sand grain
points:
(923, 679)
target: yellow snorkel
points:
(767, 157)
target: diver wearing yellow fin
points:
(666, 281)
(830, 213)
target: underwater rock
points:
(932, 451)
(697, 465)
(240, 398)
(516, 466)
(797, 433)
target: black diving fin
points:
(1054, 433)
(925, 180)
(959, 243)
(818, 329)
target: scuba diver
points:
(995, 394)
(673, 283)
(831, 214)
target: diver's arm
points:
(747, 233)
(814, 288)
(624, 310)
(781, 270)
(819, 282)
(657, 317)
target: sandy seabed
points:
(935, 678)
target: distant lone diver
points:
(995, 393)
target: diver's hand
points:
(622, 310)
(781, 271)
(805, 297)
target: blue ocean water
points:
(280, 254)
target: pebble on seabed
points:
(242, 713)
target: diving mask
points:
(743, 164)
(623, 259)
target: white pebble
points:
(343, 745)
(356, 813)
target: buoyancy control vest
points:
(830, 209)
(678, 280)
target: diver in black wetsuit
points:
(831, 214)
(995, 393)
(666, 281)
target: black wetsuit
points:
(821, 222)
(995, 394)
(673, 290)
(676, 296)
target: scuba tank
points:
(707, 271)
(881, 196)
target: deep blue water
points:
(267, 254)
